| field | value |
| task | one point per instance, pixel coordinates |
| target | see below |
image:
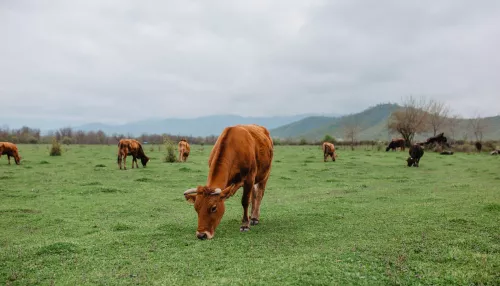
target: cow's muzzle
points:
(203, 235)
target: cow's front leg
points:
(8, 158)
(133, 160)
(245, 200)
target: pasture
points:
(366, 219)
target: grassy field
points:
(366, 219)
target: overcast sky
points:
(120, 61)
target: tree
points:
(328, 138)
(410, 119)
(452, 124)
(438, 113)
(350, 127)
(478, 127)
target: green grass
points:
(366, 219)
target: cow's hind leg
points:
(125, 162)
(257, 195)
(245, 201)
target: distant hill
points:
(372, 125)
(202, 126)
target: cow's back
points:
(241, 148)
(328, 148)
(7, 147)
(129, 145)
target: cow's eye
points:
(213, 209)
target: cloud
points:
(113, 61)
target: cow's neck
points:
(220, 181)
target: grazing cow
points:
(184, 150)
(329, 150)
(479, 146)
(241, 156)
(416, 152)
(131, 147)
(396, 143)
(495, 152)
(10, 149)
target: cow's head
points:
(17, 159)
(410, 161)
(209, 204)
(144, 160)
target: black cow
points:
(416, 152)
(396, 143)
(479, 146)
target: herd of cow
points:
(241, 157)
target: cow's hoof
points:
(254, 221)
(244, 228)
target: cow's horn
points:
(190, 191)
(217, 191)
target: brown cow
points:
(241, 156)
(10, 149)
(184, 150)
(131, 147)
(329, 150)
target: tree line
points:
(66, 135)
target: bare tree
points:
(453, 124)
(351, 130)
(478, 127)
(438, 113)
(411, 119)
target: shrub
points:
(170, 156)
(56, 148)
(464, 148)
(329, 138)
(489, 146)
(303, 141)
(67, 140)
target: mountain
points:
(202, 126)
(371, 122)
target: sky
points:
(72, 62)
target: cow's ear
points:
(190, 195)
(230, 190)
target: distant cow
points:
(495, 152)
(479, 146)
(329, 150)
(416, 152)
(131, 147)
(439, 139)
(10, 149)
(241, 156)
(396, 143)
(184, 150)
